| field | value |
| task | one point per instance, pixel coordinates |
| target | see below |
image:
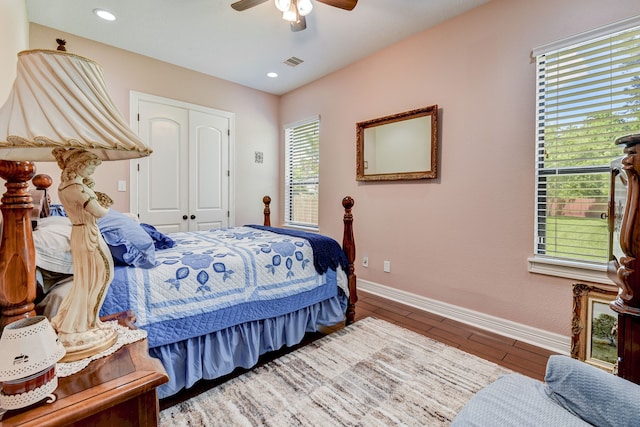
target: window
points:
(302, 159)
(587, 95)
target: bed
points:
(210, 301)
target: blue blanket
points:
(327, 253)
(215, 279)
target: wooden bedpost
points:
(20, 208)
(41, 198)
(17, 253)
(267, 211)
(349, 248)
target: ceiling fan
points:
(295, 11)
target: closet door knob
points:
(193, 217)
(184, 217)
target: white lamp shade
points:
(60, 100)
(28, 346)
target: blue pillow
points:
(160, 240)
(57, 210)
(129, 243)
(598, 397)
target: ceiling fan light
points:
(283, 5)
(291, 14)
(304, 7)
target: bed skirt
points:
(219, 353)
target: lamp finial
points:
(61, 43)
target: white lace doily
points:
(125, 336)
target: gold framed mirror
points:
(397, 147)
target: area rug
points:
(371, 373)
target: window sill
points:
(595, 273)
(302, 227)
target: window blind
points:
(302, 159)
(588, 94)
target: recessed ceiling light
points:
(272, 75)
(107, 16)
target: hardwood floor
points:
(508, 352)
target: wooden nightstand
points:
(118, 390)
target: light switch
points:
(386, 266)
(258, 156)
(122, 185)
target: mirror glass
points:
(401, 146)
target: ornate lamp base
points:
(80, 345)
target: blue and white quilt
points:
(215, 279)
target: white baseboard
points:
(551, 341)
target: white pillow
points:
(51, 241)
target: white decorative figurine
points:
(77, 322)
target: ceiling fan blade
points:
(342, 4)
(300, 25)
(246, 4)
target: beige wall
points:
(15, 37)
(256, 116)
(464, 238)
(14, 30)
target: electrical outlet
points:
(387, 267)
(122, 185)
(365, 261)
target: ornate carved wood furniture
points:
(624, 269)
(349, 248)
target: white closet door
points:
(208, 171)
(163, 180)
(184, 184)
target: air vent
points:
(293, 61)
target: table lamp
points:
(29, 351)
(58, 110)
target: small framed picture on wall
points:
(594, 326)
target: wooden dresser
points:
(118, 390)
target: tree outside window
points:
(302, 173)
(588, 95)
